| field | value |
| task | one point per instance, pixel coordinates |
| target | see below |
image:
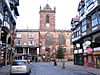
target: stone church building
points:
(47, 39)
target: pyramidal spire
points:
(47, 7)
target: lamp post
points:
(40, 43)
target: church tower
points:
(47, 18)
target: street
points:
(46, 68)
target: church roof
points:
(47, 7)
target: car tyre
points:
(28, 74)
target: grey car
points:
(20, 67)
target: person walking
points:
(55, 63)
(63, 64)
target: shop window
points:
(89, 59)
(19, 50)
(95, 60)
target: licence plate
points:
(18, 68)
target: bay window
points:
(95, 19)
(84, 26)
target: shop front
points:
(78, 57)
(88, 57)
(96, 54)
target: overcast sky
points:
(29, 13)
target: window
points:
(94, 22)
(98, 15)
(1, 7)
(84, 25)
(82, 11)
(19, 50)
(95, 19)
(31, 35)
(47, 18)
(18, 35)
(61, 39)
(77, 32)
(98, 1)
(19, 42)
(89, 2)
(31, 42)
(72, 35)
(83, 28)
(89, 58)
(48, 39)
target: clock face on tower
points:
(47, 25)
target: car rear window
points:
(19, 63)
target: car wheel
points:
(30, 71)
(28, 74)
(10, 74)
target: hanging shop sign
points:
(89, 50)
(87, 43)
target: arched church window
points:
(48, 40)
(62, 40)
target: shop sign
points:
(54, 51)
(97, 49)
(87, 43)
(89, 50)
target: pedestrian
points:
(63, 64)
(55, 63)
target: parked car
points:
(20, 67)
